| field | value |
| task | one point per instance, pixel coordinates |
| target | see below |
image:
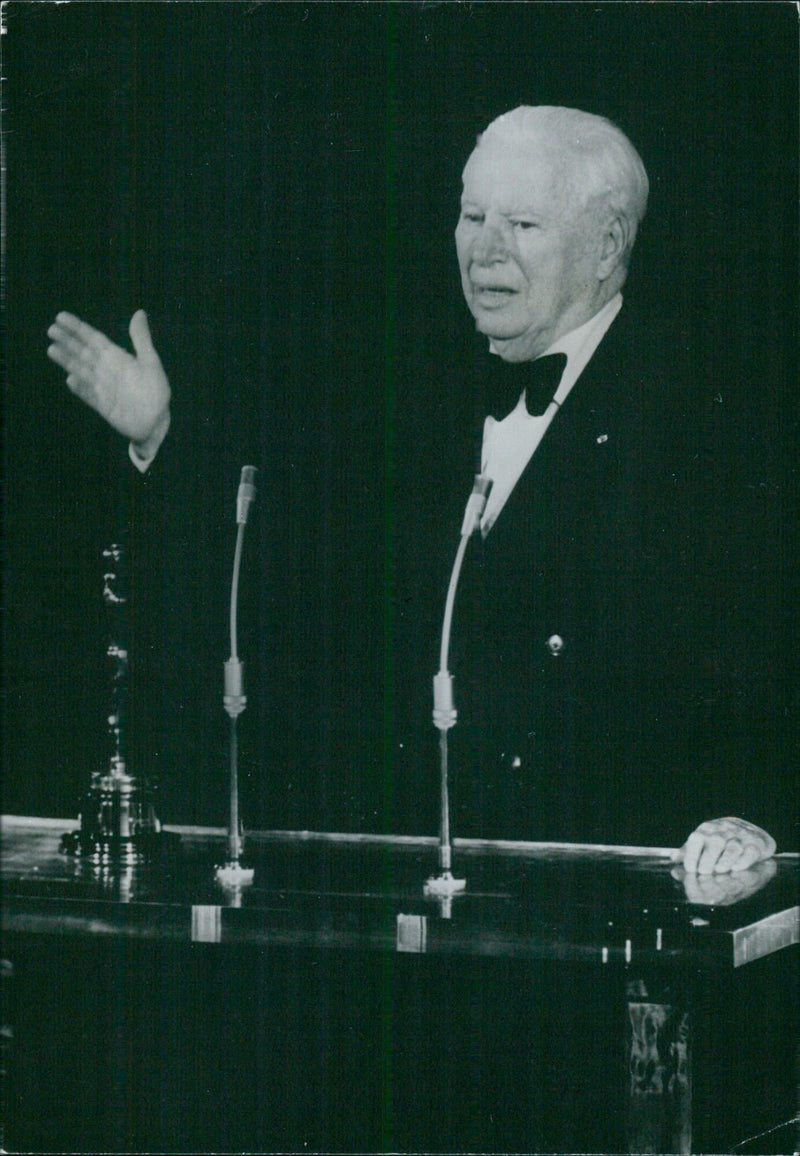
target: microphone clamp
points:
(234, 699)
(476, 504)
(444, 712)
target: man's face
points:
(527, 254)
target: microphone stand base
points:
(441, 886)
(234, 875)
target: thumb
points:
(139, 330)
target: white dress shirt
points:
(508, 445)
(142, 464)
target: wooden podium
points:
(572, 999)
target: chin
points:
(495, 329)
(495, 332)
(511, 346)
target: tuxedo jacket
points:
(611, 681)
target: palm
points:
(130, 391)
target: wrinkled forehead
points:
(516, 175)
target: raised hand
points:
(722, 845)
(130, 391)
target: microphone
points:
(233, 874)
(247, 493)
(235, 699)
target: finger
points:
(692, 850)
(751, 854)
(74, 325)
(61, 356)
(709, 857)
(729, 857)
(81, 347)
(70, 356)
(139, 330)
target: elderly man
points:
(574, 610)
(587, 622)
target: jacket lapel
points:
(573, 480)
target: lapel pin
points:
(602, 438)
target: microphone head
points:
(247, 492)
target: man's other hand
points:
(130, 391)
(719, 846)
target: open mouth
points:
(488, 293)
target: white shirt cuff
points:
(142, 464)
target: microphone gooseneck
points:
(234, 699)
(444, 711)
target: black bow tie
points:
(539, 379)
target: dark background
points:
(277, 185)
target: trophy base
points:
(118, 823)
(111, 850)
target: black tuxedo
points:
(603, 690)
(576, 611)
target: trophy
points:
(118, 822)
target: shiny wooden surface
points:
(576, 999)
(522, 900)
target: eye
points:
(523, 224)
(472, 215)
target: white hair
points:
(604, 168)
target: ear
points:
(615, 242)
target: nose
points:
(491, 244)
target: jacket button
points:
(555, 644)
